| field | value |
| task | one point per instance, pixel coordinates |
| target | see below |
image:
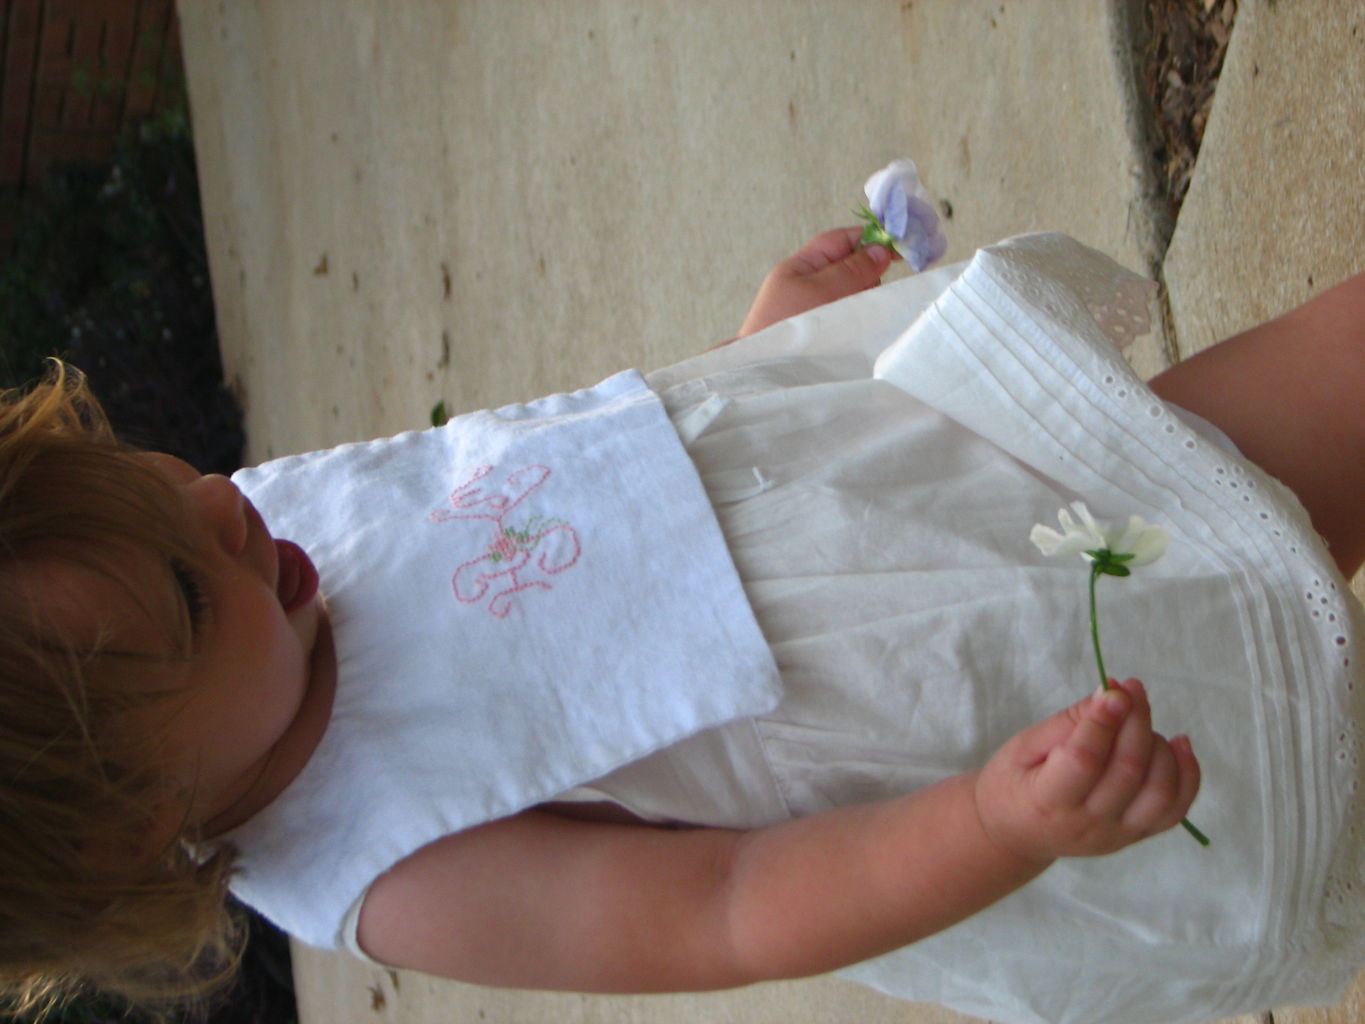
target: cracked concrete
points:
(1274, 213)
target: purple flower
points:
(901, 213)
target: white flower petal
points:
(1093, 530)
(1074, 538)
(1144, 541)
(1047, 539)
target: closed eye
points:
(196, 601)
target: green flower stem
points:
(1095, 573)
(1097, 569)
(1189, 827)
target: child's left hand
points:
(828, 267)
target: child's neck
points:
(296, 746)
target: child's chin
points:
(307, 621)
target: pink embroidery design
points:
(516, 557)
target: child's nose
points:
(222, 509)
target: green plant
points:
(107, 270)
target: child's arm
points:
(537, 901)
(828, 267)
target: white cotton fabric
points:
(877, 486)
(875, 467)
(514, 613)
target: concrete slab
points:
(480, 201)
(333, 990)
(1351, 1010)
(1021, 119)
(485, 201)
(393, 198)
(1024, 118)
(1274, 212)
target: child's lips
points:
(298, 578)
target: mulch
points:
(1187, 40)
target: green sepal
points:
(1110, 564)
(873, 232)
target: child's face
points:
(257, 621)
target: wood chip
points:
(1187, 40)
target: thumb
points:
(1034, 743)
(857, 271)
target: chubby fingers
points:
(835, 260)
(1149, 782)
(1115, 767)
(1134, 755)
(1075, 767)
(1170, 788)
(825, 248)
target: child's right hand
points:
(1089, 780)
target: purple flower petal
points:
(905, 209)
(895, 215)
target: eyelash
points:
(196, 601)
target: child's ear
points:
(145, 840)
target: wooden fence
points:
(75, 73)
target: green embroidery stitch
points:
(511, 540)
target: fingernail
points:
(1111, 702)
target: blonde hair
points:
(83, 903)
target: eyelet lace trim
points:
(1076, 286)
(1082, 290)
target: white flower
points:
(1143, 542)
(1111, 551)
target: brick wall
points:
(73, 73)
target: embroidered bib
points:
(523, 600)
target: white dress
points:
(876, 486)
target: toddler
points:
(742, 670)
